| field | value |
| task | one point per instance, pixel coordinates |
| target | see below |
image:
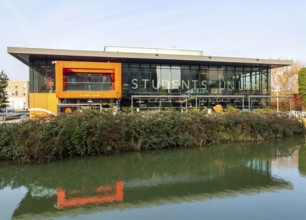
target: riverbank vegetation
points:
(92, 133)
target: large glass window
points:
(165, 79)
(42, 76)
(221, 81)
(154, 79)
(145, 78)
(255, 80)
(213, 83)
(229, 81)
(126, 80)
(137, 86)
(87, 81)
(203, 78)
(175, 80)
(194, 75)
(239, 80)
(265, 78)
(247, 79)
(185, 78)
(159, 79)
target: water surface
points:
(264, 180)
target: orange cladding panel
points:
(43, 104)
(88, 67)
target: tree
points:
(302, 85)
(285, 79)
(3, 95)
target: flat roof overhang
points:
(25, 55)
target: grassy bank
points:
(92, 133)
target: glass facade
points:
(157, 79)
(42, 76)
(161, 79)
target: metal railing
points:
(213, 98)
(159, 99)
(269, 96)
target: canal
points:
(265, 180)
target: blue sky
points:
(235, 28)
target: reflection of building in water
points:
(146, 179)
(287, 162)
(102, 194)
(147, 188)
(302, 160)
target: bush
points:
(92, 133)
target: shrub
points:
(92, 133)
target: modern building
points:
(67, 80)
(18, 94)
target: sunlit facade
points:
(67, 79)
(18, 93)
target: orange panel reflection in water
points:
(116, 196)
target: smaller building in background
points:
(18, 94)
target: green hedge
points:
(93, 133)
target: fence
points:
(244, 102)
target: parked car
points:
(7, 110)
